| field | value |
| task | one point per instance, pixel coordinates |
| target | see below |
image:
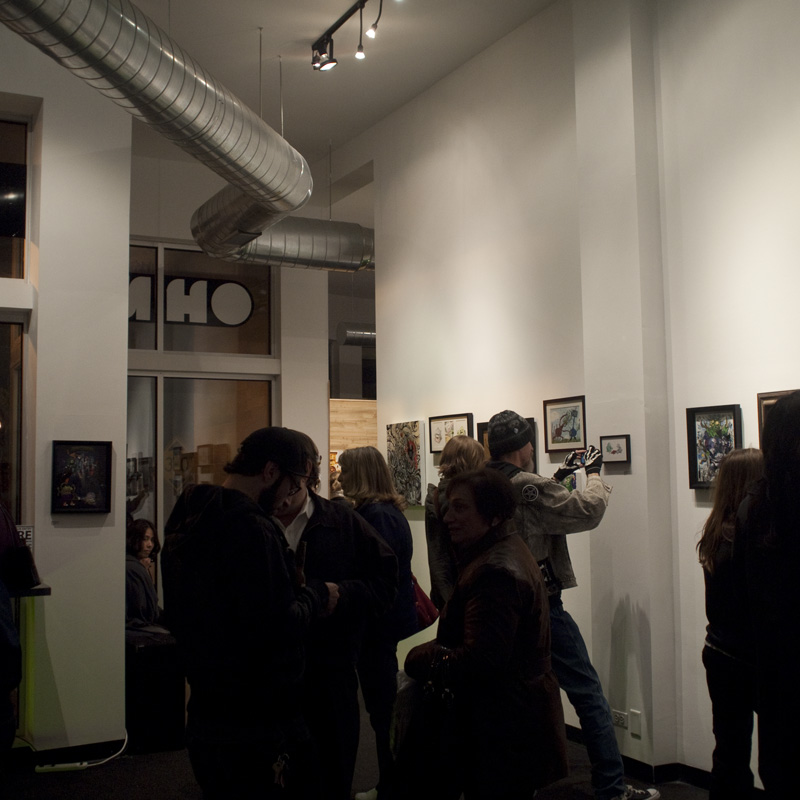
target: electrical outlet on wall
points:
(620, 718)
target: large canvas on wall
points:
(404, 454)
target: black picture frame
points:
(442, 429)
(616, 449)
(765, 401)
(482, 435)
(711, 433)
(81, 482)
(556, 414)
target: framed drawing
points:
(765, 402)
(483, 438)
(565, 424)
(81, 477)
(712, 432)
(404, 456)
(443, 429)
(616, 449)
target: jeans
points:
(377, 673)
(579, 680)
(732, 688)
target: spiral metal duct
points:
(117, 49)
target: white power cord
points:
(73, 766)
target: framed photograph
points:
(81, 477)
(616, 449)
(765, 402)
(565, 424)
(443, 429)
(712, 432)
(483, 437)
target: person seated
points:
(142, 612)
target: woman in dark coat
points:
(367, 483)
(489, 666)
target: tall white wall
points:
(614, 218)
(75, 369)
(731, 182)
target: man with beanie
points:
(547, 511)
(239, 610)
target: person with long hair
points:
(367, 483)
(727, 653)
(497, 725)
(141, 600)
(766, 556)
(460, 454)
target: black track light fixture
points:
(322, 57)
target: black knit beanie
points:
(508, 431)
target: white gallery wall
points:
(75, 370)
(731, 197)
(613, 217)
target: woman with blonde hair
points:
(460, 454)
(727, 653)
(367, 483)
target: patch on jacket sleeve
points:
(530, 494)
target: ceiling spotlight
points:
(374, 29)
(360, 55)
(326, 59)
(315, 59)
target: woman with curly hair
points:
(460, 454)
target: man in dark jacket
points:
(341, 547)
(239, 611)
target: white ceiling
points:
(418, 43)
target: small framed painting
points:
(565, 424)
(765, 402)
(443, 429)
(712, 432)
(81, 478)
(616, 449)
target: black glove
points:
(593, 461)
(569, 465)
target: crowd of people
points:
(308, 599)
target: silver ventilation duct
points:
(123, 54)
(361, 334)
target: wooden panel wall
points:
(354, 423)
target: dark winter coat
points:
(495, 631)
(231, 603)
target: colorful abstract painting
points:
(713, 432)
(404, 455)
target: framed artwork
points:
(712, 432)
(403, 454)
(765, 402)
(483, 438)
(443, 429)
(616, 449)
(565, 424)
(81, 477)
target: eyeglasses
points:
(296, 485)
